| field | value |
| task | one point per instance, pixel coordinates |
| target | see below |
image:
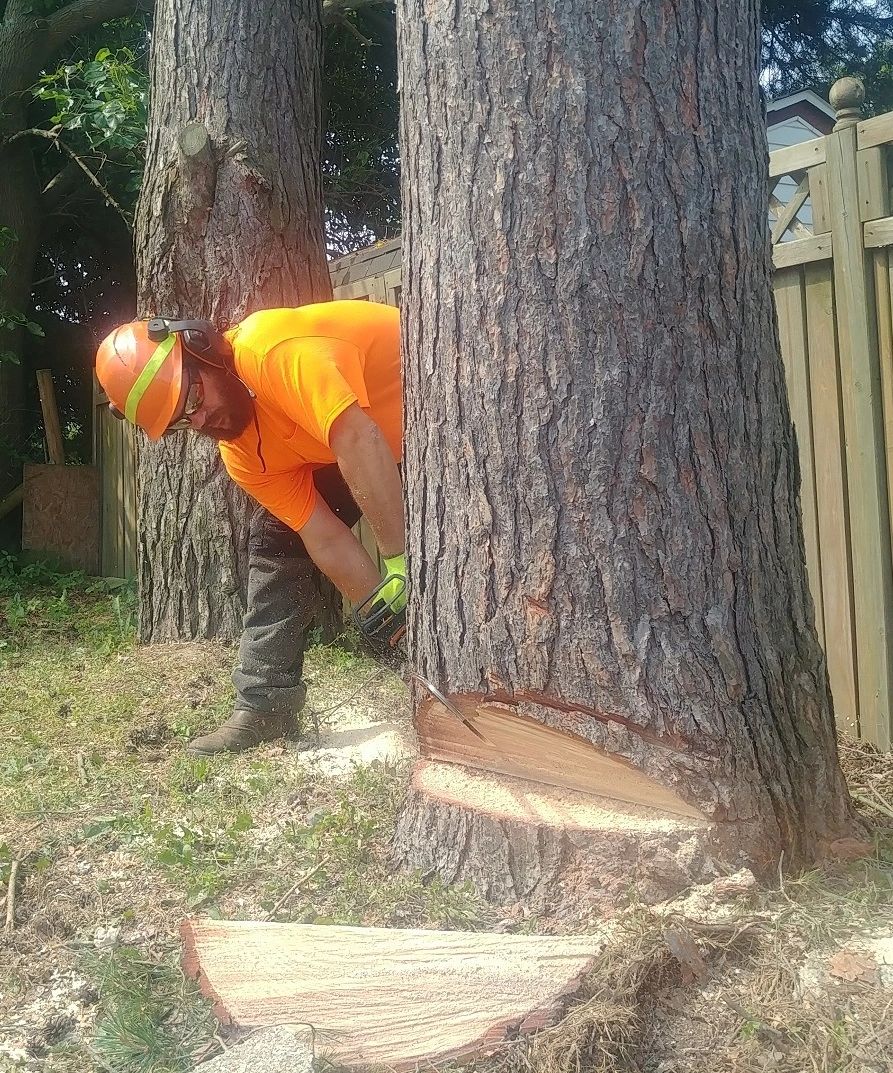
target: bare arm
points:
(368, 467)
(338, 554)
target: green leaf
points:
(94, 73)
(100, 826)
(102, 54)
(34, 329)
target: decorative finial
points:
(847, 97)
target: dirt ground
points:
(115, 834)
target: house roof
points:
(806, 106)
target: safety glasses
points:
(195, 396)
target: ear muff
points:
(199, 337)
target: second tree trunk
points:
(230, 221)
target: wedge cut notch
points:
(526, 749)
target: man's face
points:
(213, 402)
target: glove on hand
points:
(394, 590)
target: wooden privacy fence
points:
(114, 454)
(832, 246)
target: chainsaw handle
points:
(375, 609)
(381, 626)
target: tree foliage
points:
(361, 177)
(810, 43)
(101, 105)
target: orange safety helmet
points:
(142, 378)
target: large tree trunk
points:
(19, 229)
(19, 213)
(225, 227)
(602, 476)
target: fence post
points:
(863, 421)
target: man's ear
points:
(204, 343)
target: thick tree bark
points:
(230, 221)
(602, 474)
(515, 839)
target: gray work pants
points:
(283, 588)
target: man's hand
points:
(394, 591)
(382, 617)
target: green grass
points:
(149, 1019)
(115, 826)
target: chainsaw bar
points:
(384, 630)
(448, 704)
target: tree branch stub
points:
(195, 143)
(198, 175)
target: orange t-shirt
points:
(306, 366)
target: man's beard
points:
(231, 420)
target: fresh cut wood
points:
(387, 997)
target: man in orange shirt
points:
(306, 407)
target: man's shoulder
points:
(341, 319)
(265, 329)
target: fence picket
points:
(832, 507)
(791, 305)
(865, 453)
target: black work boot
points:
(243, 730)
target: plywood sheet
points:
(392, 997)
(61, 514)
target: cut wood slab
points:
(376, 996)
(519, 746)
